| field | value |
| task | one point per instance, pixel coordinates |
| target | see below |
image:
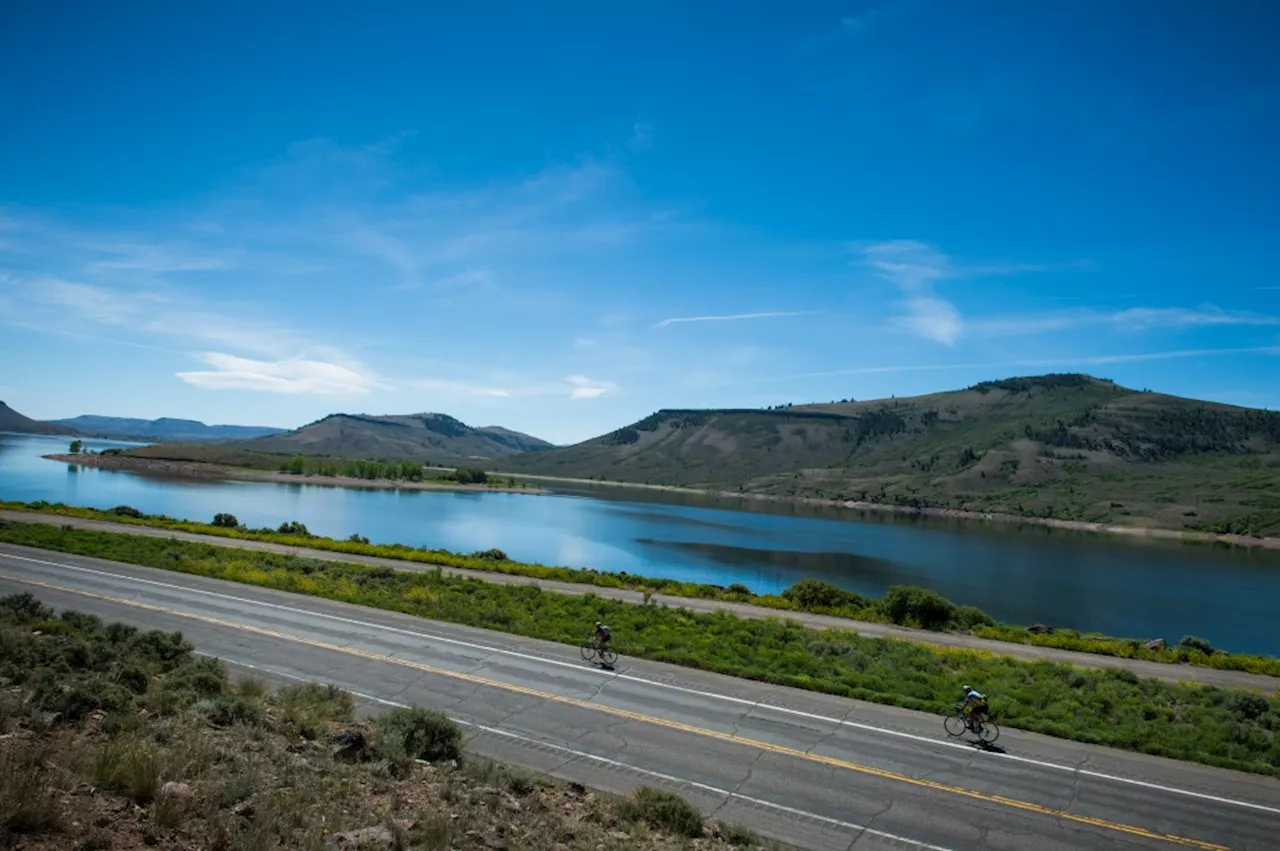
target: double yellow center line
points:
(782, 750)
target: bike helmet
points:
(966, 688)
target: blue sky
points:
(562, 217)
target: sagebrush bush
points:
(307, 709)
(28, 799)
(662, 810)
(403, 735)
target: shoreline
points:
(207, 470)
(1183, 535)
(216, 472)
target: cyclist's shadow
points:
(986, 746)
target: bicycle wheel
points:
(588, 651)
(955, 725)
(988, 732)
(608, 656)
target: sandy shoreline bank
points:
(217, 472)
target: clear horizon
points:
(560, 221)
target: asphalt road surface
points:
(807, 769)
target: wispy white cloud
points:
(290, 376)
(1132, 319)
(641, 137)
(155, 258)
(573, 387)
(98, 304)
(582, 387)
(914, 268)
(733, 317)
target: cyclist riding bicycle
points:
(602, 635)
(975, 706)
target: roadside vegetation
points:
(1222, 727)
(905, 606)
(116, 738)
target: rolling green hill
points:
(434, 438)
(1064, 446)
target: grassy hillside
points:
(11, 420)
(1064, 446)
(417, 437)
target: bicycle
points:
(592, 649)
(986, 730)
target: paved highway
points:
(1143, 668)
(808, 769)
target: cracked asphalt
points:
(811, 770)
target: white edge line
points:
(696, 692)
(858, 828)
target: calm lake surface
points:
(1019, 574)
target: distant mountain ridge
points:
(420, 437)
(11, 420)
(164, 429)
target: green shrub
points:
(162, 647)
(227, 710)
(1248, 706)
(490, 555)
(225, 521)
(971, 617)
(403, 735)
(133, 678)
(911, 606)
(202, 677)
(1194, 642)
(741, 837)
(739, 589)
(24, 609)
(118, 633)
(662, 810)
(306, 709)
(127, 511)
(293, 527)
(816, 594)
